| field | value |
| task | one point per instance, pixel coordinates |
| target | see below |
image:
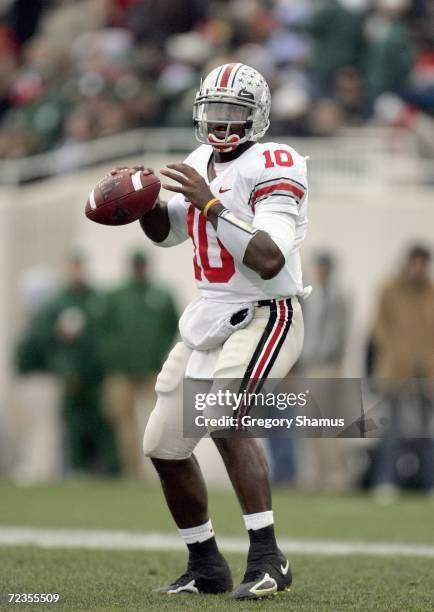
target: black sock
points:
(202, 550)
(262, 540)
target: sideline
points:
(127, 540)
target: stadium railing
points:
(372, 157)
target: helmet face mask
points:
(216, 122)
(231, 107)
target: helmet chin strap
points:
(224, 145)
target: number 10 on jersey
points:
(212, 274)
(280, 157)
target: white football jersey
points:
(268, 177)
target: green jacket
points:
(338, 38)
(32, 350)
(73, 319)
(388, 59)
(139, 325)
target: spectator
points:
(393, 111)
(73, 318)
(350, 95)
(40, 101)
(388, 53)
(8, 67)
(337, 31)
(326, 317)
(404, 340)
(156, 19)
(326, 118)
(405, 351)
(283, 460)
(23, 17)
(140, 324)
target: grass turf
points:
(123, 580)
(112, 504)
(97, 580)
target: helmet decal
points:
(224, 76)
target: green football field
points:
(92, 579)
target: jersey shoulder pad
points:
(275, 170)
(274, 160)
(197, 157)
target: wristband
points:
(234, 233)
(208, 205)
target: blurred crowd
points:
(398, 393)
(86, 363)
(75, 70)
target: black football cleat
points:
(265, 576)
(206, 576)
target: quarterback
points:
(243, 205)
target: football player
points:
(243, 205)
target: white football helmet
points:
(232, 94)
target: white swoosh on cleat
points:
(257, 590)
(285, 569)
(189, 588)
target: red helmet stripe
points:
(226, 74)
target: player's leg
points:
(183, 484)
(184, 489)
(248, 469)
(273, 342)
(267, 568)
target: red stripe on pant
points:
(267, 354)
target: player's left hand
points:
(191, 184)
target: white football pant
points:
(267, 347)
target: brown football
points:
(122, 197)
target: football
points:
(122, 197)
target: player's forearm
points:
(156, 223)
(254, 248)
(264, 256)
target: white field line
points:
(124, 540)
